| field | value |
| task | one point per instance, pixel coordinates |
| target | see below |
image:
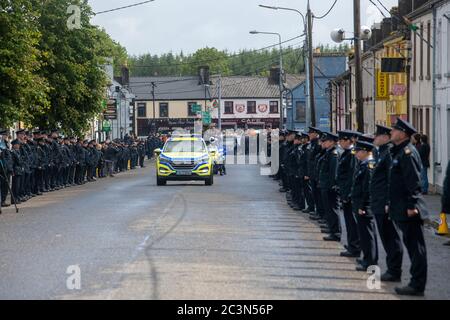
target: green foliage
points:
(50, 75)
(23, 92)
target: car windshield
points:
(185, 146)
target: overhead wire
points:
(124, 7)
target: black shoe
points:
(314, 217)
(5, 205)
(332, 237)
(325, 230)
(282, 190)
(387, 277)
(360, 261)
(361, 268)
(349, 254)
(409, 291)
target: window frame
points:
(189, 106)
(253, 106)
(271, 105)
(165, 104)
(140, 106)
(227, 105)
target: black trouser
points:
(368, 238)
(284, 178)
(16, 187)
(47, 178)
(299, 197)
(316, 197)
(414, 241)
(39, 180)
(306, 185)
(392, 244)
(4, 181)
(353, 242)
(331, 209)
(141, 161)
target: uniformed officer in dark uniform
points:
(18, 171)
(379, 200)
(313, 150)
(327, 185)
(345, 174)
(361, 205)
(7, 170)
(406, 205)
(292, 167)
(285, 148)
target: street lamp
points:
(361, 33)
(287, 9)
(308, 66)
(281, 71)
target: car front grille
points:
(189, 166)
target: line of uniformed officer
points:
(375, 181)
(40, 161)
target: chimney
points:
(125, 76)
(203, 74)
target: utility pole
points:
(312, 104)
(358, 72)
(219, 119)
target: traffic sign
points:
(206, 118)
(106, 126)
(196, 108)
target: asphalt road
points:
(132, 240)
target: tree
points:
(72, 66)
(23, 92)
(215, 59)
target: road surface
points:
(132, 240)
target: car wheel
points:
(160, 182)
(210, 180)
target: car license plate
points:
(184, 172)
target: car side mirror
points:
(157, 152)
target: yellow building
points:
(392, 88)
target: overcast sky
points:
(175, 25)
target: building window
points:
(300, 112)
(163, 110)
(421, 52)
(274, 107)
(229, 107)
(142, 110)
(428, 44)
(190, 112)
(251, 107)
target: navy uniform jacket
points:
(291, 160)
(7, 161)
(301, 159)
(327, 169)
(379, 183)
(405, 191)
(361, 186)
(345, 173)
(56, 153)
(81, 155)
(42, 160)
(25, 159)
(446, 192)
(313, 150)
(17, 162)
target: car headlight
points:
(205, 158)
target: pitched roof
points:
(188, 88)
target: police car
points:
(184, 158)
